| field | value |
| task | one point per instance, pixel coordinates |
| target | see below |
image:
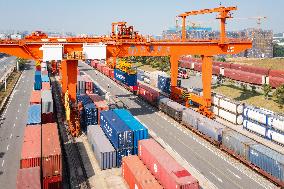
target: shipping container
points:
(140, 75)
(35, 97)
(215, 70)
(34, 115)
(211, 128)
(29, 178)
(198, 67)
(276, 73)
(163, 101)
(37, 85)
(91, 114)
(45, 78)
(222, 64)
(165, 169)
(46, 101)
(257, 114)
(81, 85)
(247, 77)
(276, 122)
(190, 118)
(31, 149)
(237, 144)
(250, 69)
(275, 136)
(149, 94)
(231, 117)
(255, 127)
(164, 83)
(103, 149)
(127, 79)
(268, 160)
(136, 174)
(154, 77)
(37, 77)
(231, 106)
(120, 153)
(84, 99)
(89, 85)
(47, 118)
(276, 82)
(51, 151)
(46, 86)
(139, 131)
(175, 110)
(100, 104)
(116, 130)
(54, 182)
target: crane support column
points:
(223, 30)
(69, 77)
(183, 28)
(206, 79)
(174, 70)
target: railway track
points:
(75, 174)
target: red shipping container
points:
(47, 118)
(276, 73)
(100, 67)
(89, 85)
(31, 149)
(45, 72)
(35, 97)
(51, 151)
(78, 71)
(111, 73)
(246, 77)
(276, 81)
(38, 68)
(54, 182)
(251, 69)
(101, 104)
(136, 174)
(148, 94)
(216, 70)
(185, 65)
(29, 178)
(106, 71)
(222, 64)
(165, 169)
(45, 86)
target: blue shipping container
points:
(164, 84)
(116, 130)
(129, 80)
(37, 76)
(44, 78)
(85, 99)
(139, 131)
(268, 160)
(91, 114)
(37, 86)
(34, 115)
(122, 153)
(140, 75)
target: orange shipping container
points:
(101, 104)
(29, 178)
(45, 86)
(137, 175)
(52, 182)
(51, 151)
(31, 150)
(35, 97)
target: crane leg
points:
(175, 92)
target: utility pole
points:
(5, 77)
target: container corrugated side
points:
(34, 115)
(136, 174)
(31, 149)
(175, 110)
(54, 182)
(211, 128)
(46, 101)
(51, 151)
(165, 169)
(116, 130)
(29, 178)
(103, 149)
(268, 160)
(140, 132)
(100, 104)
(35, 97)
(190, 118)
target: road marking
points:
(11, 135)
(8, 147)
(18, 110)
(16, 117)
(234, 174)
(14, 125)
(220, 180)
(3, 162)
(20, 104)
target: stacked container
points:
(35, 97)
(47, 107)
(46, 86)
(137, 175)
(101, 104)
(91, 114)
(149, 94)
(81, 85)
(165, 169)
(118, 133)
(37, 80)
(164, 83)
(125, 78)
(103, 149)
(51, 155)
(89, 85)
(175, 110)
(28, 178)
(139, 131)
(34, 115)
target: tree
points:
(279, 95)
(278, 51)
(266, 90)
(21, 62)
(221, 59)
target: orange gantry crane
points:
(125, 42)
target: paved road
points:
(208, 160)
(12, 130)
(8, 62)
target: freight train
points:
(260, 158)
(242, 73)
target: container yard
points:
(137, 111)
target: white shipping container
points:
(256, 114)
(275, 136)
(254, 127)
(277, 122)
(216, 98)
(231, 106)
(146, 80)
(215, 110)
(233, 118)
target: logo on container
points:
(119, 76)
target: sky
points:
(147, 16)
